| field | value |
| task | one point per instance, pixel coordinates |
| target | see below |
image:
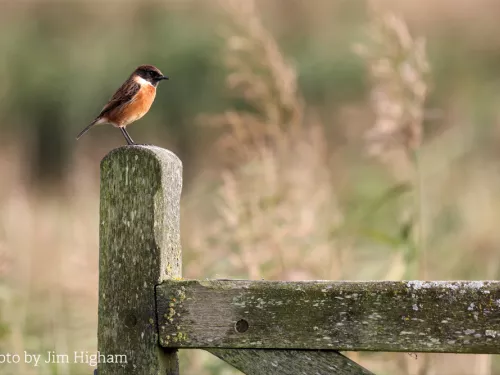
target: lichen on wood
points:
(139, 248)
(409, 316)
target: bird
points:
(131, 101)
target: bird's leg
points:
(129, 140)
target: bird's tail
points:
(86, 129)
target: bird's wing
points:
(125, 94)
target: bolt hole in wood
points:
(130, 320)
(241, 326)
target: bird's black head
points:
(150, 74)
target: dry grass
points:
(259, 76)
(281, 180)
(49, 299)
(398, 68)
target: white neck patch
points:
(141, 81)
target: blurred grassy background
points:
(269, 109)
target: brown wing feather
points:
(122, 96)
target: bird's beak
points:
(163, 77)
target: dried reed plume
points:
(398, 69)
(261, 78)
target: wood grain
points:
(139, 248)
(409, 316)
(289, 362)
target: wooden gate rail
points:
(395, 316)
(146, 312)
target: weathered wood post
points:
(139, 248)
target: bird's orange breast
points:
(136, 108)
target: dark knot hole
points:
(130, 320)
(241, 326)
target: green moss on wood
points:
(381, 316)
(139, 248)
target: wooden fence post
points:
(139, 248)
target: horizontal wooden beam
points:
(409, 316)
(289, 362)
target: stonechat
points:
(131, 101)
